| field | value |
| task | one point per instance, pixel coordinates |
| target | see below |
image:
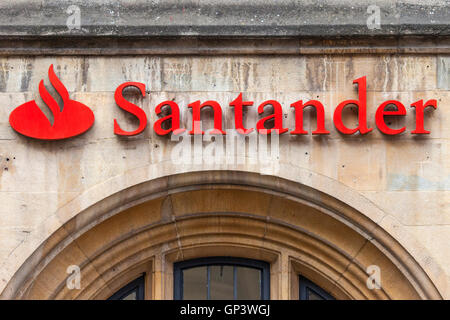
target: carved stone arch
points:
(149, 226)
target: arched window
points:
(221, 278)
(132, 291)
(310, 291)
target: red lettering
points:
(277, 116)
(170, 122)
(362, 110)
(196, 108)
(379, 117)
(174, 117)
(299, 106)
(420, 107)
(238, 106)
(131, 108)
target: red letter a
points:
(174, 117)
(277, 116)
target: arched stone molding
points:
(329, 233)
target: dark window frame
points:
(178, 268)
(137, 284)
(304, 285)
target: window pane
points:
(135, 290)
(131, 296)
(310, 291)
(248, 283)
(195, 283)
(224, 278)
(221, 282)
(314, 296)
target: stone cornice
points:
(110, 46)
(219, 19)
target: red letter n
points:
(299, 106)
(196, 108)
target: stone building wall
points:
(44, 184)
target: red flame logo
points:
(74, 118)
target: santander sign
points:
(74, 118)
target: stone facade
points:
(51, 191)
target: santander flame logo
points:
(73, 119)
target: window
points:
(132, 291)
(310, 291)
(221, 278)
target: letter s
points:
(131, 108)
